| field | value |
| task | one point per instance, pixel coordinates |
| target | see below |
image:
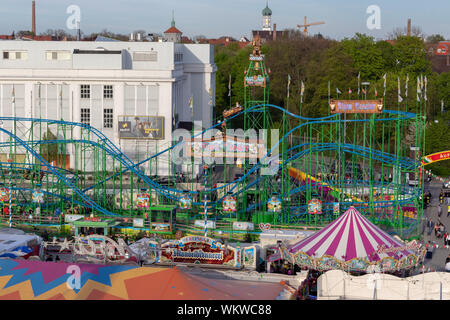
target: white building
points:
(98, 82)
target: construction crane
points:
(306, 25)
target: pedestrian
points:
(439, 208)
(430, 225)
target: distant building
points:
(173, 34)
(267, 34)
(267, 18)
(104, 82)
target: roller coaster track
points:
(110, 148)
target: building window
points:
(108, 118)
(108, 92)
(15, 55)
(85, 115)
(85, 91)
(178, 57)
(57, 55)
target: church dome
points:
(266, 11)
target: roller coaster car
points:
(28, 175)
(232, 111)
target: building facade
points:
(104, 84)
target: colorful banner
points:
(314, 206)
(435, 157)
(143, 200)
(185, 202)
(199, 250)
(274, 205)
(336, 208)
(254, 81)
(141, 127)
(4, 195)
(38, 196)
(229, 204)
(410, 212)
(356, 106)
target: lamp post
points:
(205, 168)
(9, 193)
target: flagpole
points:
(229, 90)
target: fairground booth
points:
(93, 225)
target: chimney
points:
(33, 18)
(274, 32)
(409, 27)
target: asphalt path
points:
(437, 262)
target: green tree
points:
(435, 38)
(367, 56)
(410, 54)
(49, 150)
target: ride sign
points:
(356, 106)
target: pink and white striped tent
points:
(352, 242)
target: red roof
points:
(443, 48)
(172, 30)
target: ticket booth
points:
(162, 218)
(92, 225)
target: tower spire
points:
(173, 19)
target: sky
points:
(236, 18)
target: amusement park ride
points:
(323, 166)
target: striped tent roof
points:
(349, 237)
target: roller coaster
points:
(336, 160)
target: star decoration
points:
(65, 245)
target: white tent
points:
(11, 239)
(339, 285)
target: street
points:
(440, 254)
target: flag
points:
(302, 91)
(406, 86)
(384, 77)
(419, 91)
(425, 89)
(191, 102)
(229, 85)
(289, 84)
(338, 91)
(350, 91)
(13, 96)
(359, 78)
(363, 91)
(376, 93)
(399, 93)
